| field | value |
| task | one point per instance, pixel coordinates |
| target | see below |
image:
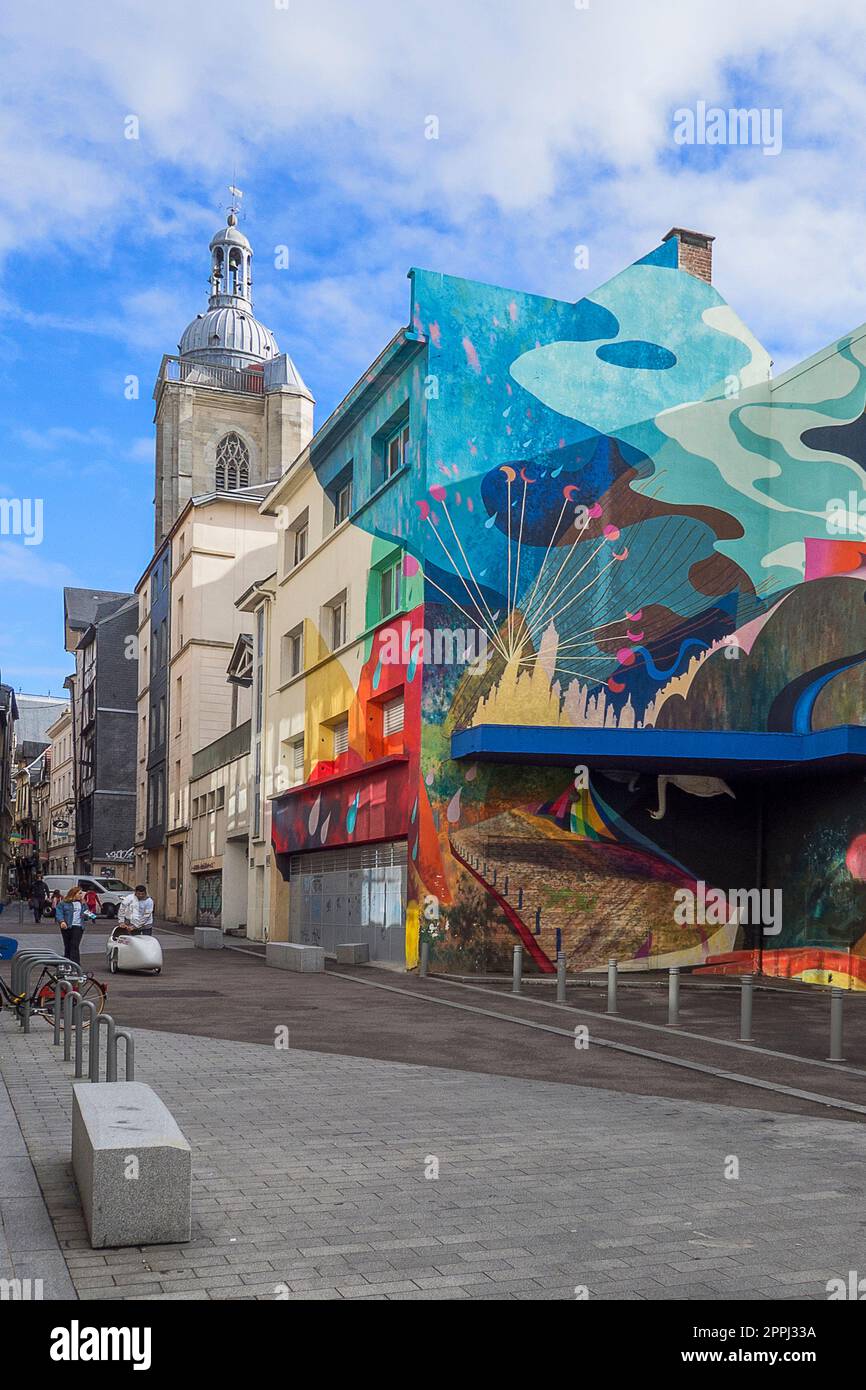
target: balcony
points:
(248, 382)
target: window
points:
(392, 716)
(211, 800)
(220, 798)
(341, 736)
(297, 541)
(396, 450)
(232, 463)
(292, 655)
(338, 612)
(293, 758)
(389, 589)
(179, 624)
(340, 495)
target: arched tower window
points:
(232, 463)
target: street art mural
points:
(630, 517)
(635, 515)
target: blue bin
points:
(8, 947)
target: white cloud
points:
(555, 126)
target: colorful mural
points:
(629, 519)
(635, 515)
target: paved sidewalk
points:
(28, 1245)
(310, 1182)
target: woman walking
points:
(70, 917)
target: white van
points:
(111, 891)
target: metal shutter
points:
(341, 737)
(392, 716)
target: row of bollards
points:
(747, 991)
(69, 1009)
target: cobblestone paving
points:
(309, 1179)
(28, 1246)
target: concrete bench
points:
(291, 955)
(132, 1165)
(208, 938)
(353, 953)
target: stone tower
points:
(232, 411)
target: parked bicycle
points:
(41, 997)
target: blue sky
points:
(555, 130)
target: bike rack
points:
(38, 963)
(21, 959)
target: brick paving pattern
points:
(309, 1183)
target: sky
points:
(555, 125)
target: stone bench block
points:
(353, 953)
(132, 1165)
(208, 938)
(290, 955)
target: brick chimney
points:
(694, 252)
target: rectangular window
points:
(293, 761)
(292, 655)
(220, 798)
(396, 450)
(338, 611)
(211, 801)
(343, 503)
(389, 589)
(392, 716)
(300, 546)
(341, 737)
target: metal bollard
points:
(111, 1059)
(560, 978)
(516, 969)
(611, 986)
(674, 997)
(94, 1043)
(837, 1003)
(747, 984)
(69, 993)
(79, 1032)
(424, 962)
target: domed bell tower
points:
(229, 394)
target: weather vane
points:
(237, 195)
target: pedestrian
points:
(72, 922)
(91, 899)
(56, 897)
(38, 895)
(136, 909)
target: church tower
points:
(232, 411)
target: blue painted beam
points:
(686, 750)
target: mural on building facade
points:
(615, 507)
(636, 517)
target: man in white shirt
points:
(136, 910)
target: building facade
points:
(36, 714)
(232, 412)
(101, 632)
(58, 853)
(219, 830)
(8, 716)
(188, 629)
(614, 571)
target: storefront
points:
(208, 876)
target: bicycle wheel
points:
(91, 990)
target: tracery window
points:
(232, 463)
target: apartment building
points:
(336, 766)
(188, 627)
(58, 853)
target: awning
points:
(685, 750)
